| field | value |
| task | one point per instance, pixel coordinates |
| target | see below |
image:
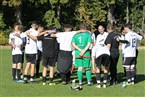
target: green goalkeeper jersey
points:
(81, 40)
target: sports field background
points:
(13, 89)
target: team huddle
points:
(81, 49)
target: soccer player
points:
(130, 53)
(65, 54)
(113, 46)
(31, 52)
(16, 44)
(81, 42)
(101, 56)
(39, 51)
(49, 50)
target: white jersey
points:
(139, 37)
(100, 47)
(123, 44)
(130, 48)
(17, 42)
(64, 39)
(31, 45)
(93, 40)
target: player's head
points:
(18, 27)
(127, 27)
(83, 27)
(123, 31)
(34, 25)
(67, 27)
(40, 27)
(101, 29)
(110, 27)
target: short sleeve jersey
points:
(111, 40)
(130, 47)
(100, 47)
(18, 42)
(64, 39)
(82, 39)
(49, 46)
(31, 45)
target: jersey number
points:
(133, 42)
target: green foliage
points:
(3, 39)
(2, 24)
(90, 12)
(51, 19)
(11, 3)
(142, 42)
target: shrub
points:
(3, 39)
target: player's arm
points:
(93, 59)
(11, 43)
(46, 32)
(31, 36)
(86, 48)
(76, 47)
(81, 31)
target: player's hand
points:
(117, 39)
(27, 33)
(82, 53)
(16, 34)
(13, 45)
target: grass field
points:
(13, 89)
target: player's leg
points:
(33, 63)
(19, 66)
(106, 61)
(98, 62)
(44, 74)
(80, 74)
(45, 68)
(52, 62)
(127, 65)
(68, 77)
(133, 70)
(39, 56)
(26, 72)
(14, 67)
(87, 65)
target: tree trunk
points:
(127, 12)
(18, 10)
(58, 10)
(110, 14)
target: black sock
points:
(19, 74)
(51, 80)
(132, 74)
(25, 77)
(32, 77)
(14, 73)
(98, 76)
(62, 76)
(44, 79)
(68, 76)
(105, 76)
(128, 75)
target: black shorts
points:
(65, 60)
(136, 56)
(23, 57)
(17, 59)
(48, 61)
(129, 61)
(103, 59)
(31, 58)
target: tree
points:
(17, 5)
(90, 12)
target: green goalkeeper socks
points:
(80, 75)
(88, 75)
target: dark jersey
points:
(49, 46)
(111, 40)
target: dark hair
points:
(83, 26)
(34, 22)
(110, 26)
(67, 26)
(128, 26)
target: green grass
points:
(13, 89)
